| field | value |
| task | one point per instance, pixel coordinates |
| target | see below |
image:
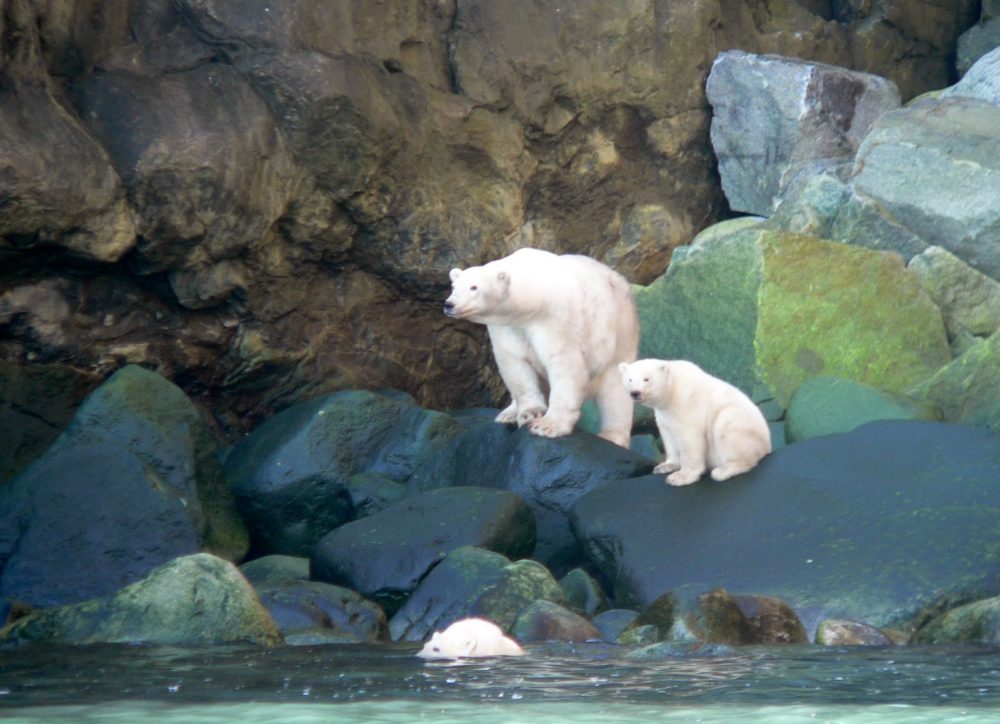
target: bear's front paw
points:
(684, 477)
(667, 466)
(546, 426)
(529, 415)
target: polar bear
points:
(469, 637)
(559, 326)
(702, 420)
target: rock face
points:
(776, 122)
(131, 484)
(842, 526)
(262, 201)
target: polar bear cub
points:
(559, 326)
(467, 638)
(703, 421)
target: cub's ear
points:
(454, 274)
(503, 277)
(623, 367)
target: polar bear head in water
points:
(467, 638)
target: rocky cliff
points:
(261, 200)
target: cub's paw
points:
(546, 426)
(684, 477)
(507, 416)
(667, 466)
(528, 416)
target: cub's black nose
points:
(635, 395)
(448, 306)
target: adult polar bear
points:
(559, 324)
(702, 420)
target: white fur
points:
(469, 638)
(703, 421)
(559, 326)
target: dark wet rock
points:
(37, 403)
(131, 484)
(192, 600)
(547, 621)
(843, 526)
(385, 556)
(276, 569)
(583, 593)
(827, 405)
(771, 620)
(808, 118)
(976, 622)
(836, 632)
(472, 582)
(690, 613)
(301, 473)
(312, 608)
(613, 621)
(550, 475)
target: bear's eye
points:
(473, 288)
(645, 379)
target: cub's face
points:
(643, 378)
(476, 292)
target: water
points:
(580, 683)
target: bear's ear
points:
(623, 367)
(454, 274)
(503, 277)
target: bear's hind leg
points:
(615, 405)
(738, 448)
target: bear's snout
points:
(635, 394)
(449, 307)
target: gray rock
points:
(969, 300)
(967, 390)
(276, 569)
(472, 582)
(692, 614)
(836, 632)
(975, 43)
(842, 526)
(313, 608)
(193, 600)
(779, 121)
(976, 622)
(771, 620)
(386, 555)
(546, 621)
(932, 169)
(612, 622)
(295, 477)
(583, 593)
(132, 483)
(829, 405)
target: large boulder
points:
(967, 390)
(193, 601)
(472, 582)
(930, 171)
(133, 482)
(385, 556)
(306, 470)
(858, 525)
(976, 622)
(778, 121)
(768, 309)
(314, 612)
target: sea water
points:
(570, 683)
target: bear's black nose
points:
(448, 307)
(635, 394)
